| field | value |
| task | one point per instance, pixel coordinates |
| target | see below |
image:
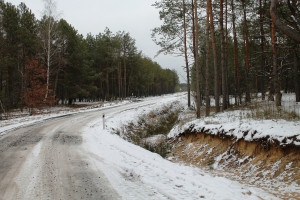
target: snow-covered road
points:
(73, 157)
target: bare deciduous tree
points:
(48, 38)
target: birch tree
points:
(49, 29)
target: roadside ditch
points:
(260, 163)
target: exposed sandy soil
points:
(268, 166)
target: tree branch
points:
(287, 30)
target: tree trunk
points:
(56, 83)
(119, 79)
(129, 83)
(125, 71)
(236, 61)
(186, 57)
(1, 81)
(207, 65)
(193, 29)
(296, 74)
(248, 99)
(60, 67)
(7, 83)
(107, 84)
(262, 45)
(70, 101)
(216, 74)
(275, 70)
(198, 98)
(226, 51)
(48, 57)
(223, 62)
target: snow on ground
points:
(288, 102)
(132, 115)
(239, 124)
(16, 122)
(231, 124)
(139, 174)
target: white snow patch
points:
(230, 124)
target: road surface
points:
(46, 161)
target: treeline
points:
(234, 47)
(66, 66)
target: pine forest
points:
(47, 62)
(233, 48)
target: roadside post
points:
(103, 117)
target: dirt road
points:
(46, 161)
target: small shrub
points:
(153, 123)
(162, 149)
(210, 162)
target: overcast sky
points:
(137, 17)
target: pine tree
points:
(236, 61)
(223, 58)
(187, 68)
(196, 50)
(216, 73)
(207, 63)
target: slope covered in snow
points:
(139, 174)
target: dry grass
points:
(158, 122)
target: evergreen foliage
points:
(106, 66)
(243, 53)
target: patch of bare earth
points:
(260, 163)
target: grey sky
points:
(137, 17)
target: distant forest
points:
(46, 61)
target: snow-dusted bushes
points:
(150, 130)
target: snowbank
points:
(234, 124)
